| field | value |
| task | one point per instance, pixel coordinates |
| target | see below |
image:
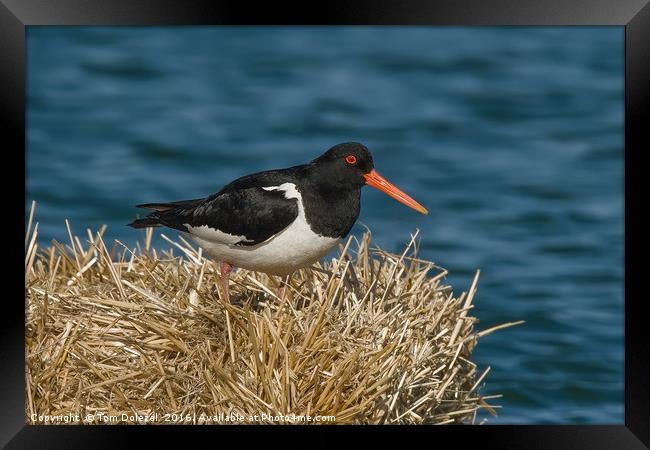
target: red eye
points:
(351, 159)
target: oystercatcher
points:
(278, 221)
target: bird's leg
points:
(226, 268)
(282, 290)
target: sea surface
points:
(512, 137)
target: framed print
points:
(491, 276)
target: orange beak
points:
(377, 181)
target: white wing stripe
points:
(214, 235)
(289, 190)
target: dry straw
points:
(138, 336)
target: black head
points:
(348, 167)
(345, 164)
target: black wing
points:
(254, 213)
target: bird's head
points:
(351, 164)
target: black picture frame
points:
(634, 15)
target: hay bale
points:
(134, 336)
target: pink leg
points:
(226, 268)
(282, 290)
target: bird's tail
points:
(151, 221)
(154, 218)
(163, 214)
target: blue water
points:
(511, 137)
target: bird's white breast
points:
(294, 247)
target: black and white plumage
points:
(279, 221)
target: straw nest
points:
(137, 336)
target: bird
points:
(278, 221)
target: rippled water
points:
(511, 137)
